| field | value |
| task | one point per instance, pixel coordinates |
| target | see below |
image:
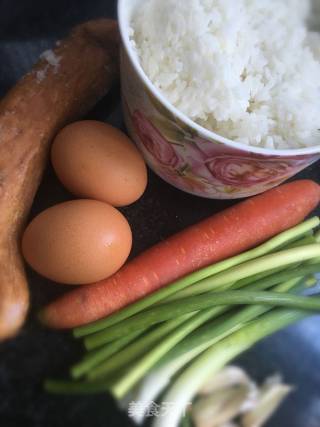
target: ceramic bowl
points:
(187, 155)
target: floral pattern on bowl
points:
(206, 168)
(184, 158)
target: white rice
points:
(247, 69)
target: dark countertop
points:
(26, 29)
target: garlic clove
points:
(227, 377)
(272, 394)
(220, 407)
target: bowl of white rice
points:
(222, 97)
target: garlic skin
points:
(219, 408)
(272, 394)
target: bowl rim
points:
(202, 131)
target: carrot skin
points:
(220, 236)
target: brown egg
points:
(95, 160)
(77, 242)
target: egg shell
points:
(77, 242)
(95, 160)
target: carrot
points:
(225, 234)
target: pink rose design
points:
(244, 171)
(208, 168)
(154, 142)
(240, 169)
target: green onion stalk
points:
(193, 322)
(209, 336)
(185, 387)
(273, 244)
(102, 355)
(170, 309)
(206, 336)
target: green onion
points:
(166, 311)
(275, 299)
(213, 331)
(187, 305)
(265, 263)
(93, 358)
(274, 279)
(103, 337)
(262, 275)
(74, 387)
(210, 334)
(317, 236)
(164, 373)
(159, 377)
(215, 357)
(307, 239)
(192, 321)
(137, 348)
(146, 362)
(211, 361)
(269, 246)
